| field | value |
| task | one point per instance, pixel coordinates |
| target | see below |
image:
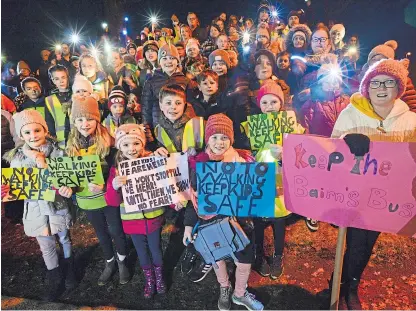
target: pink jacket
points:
(137, 226)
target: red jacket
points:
(137, 226)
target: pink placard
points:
(324, 181)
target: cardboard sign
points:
(324, 181)
(153, 182)
(27, 183)
(75, 171)
(267, 128)
(236, 189)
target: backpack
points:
(220, 239)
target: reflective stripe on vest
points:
(88, 200)
(55, 108)
(193, 135)
(110, 126)
(140, 215)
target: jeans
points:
(147, 245)
(48, 248)
(279, 230)
(360, 243)
(107, 225)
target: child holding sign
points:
(219, 137)
(89, 137)
(144, 227)
(44, 220)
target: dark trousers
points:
(147, 245)
(107, 225)
(360, 245)
(279, 231)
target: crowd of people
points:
(190, 88)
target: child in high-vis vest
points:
(42, 219)
(89, 137)
(59, 104)
(219, 137)
(117, 104)
(270, 98)
(144, 227)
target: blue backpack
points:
(220, 239)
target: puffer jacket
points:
(150, 96)
(41, 218)
(319, 114)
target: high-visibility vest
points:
(193, 135)
(140, 215)
(41, 110)
(110, 126)
(86, 199)
(55, 108)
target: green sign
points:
(268, 128)
(75, 171)
(27, 183)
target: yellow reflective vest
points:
(140, 215)
(55, 108)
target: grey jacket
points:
(42, 218)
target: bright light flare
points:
(246, 49)
(107, 47)
(104, 25)
(352, 50)
(153, 19)
(126, 19)
(274, 13)
(75, 38)
(125, 32)
(58, 47)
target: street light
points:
(126, 19)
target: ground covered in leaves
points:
(389, 282)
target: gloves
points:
(359, 144)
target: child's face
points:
(82, 93)
(34, 135)
(336, 37)
(181, 51)
(32, 90)
(283, 62)
(192, 51)
(208, 87)
(219, 67)
(298, 41)
(219, 143)
(222, 43)
(60, 79)
(117, 110)
(293, 20)
(214, 33)
(169, 64)
(85, 126)
(172, 107)
(89, 67)
(131, 148)
(263, 68)
(132, 51)
(75, 63)
(151, 55)
(132, 101)
(270, 103)
(116, 59)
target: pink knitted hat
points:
(219, 124)
(389, 67)
(387, 50)
(270, 88)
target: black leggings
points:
(279, 230)
(360, 245)
(107, 225)
(146, 245)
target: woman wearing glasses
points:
(376, 113)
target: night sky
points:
(30, 25)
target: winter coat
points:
(43, 76)
(150, 96)
(208, 46)
(319, 114)
(42, 218)
(137, 226)
(112, 124)
(218, 103)
(7, 131)
(200, 33)
(359, 117)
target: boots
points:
(123, 272)
(70, 278)
(351, 296)
(53, 284)
(325, 295)
(110, 268)
(160, 283)
(149, 285)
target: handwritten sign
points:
(75, 171)
(267, 128)
(236, 189)
(27, 183)
(153, 182)
(324, 181)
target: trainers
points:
(262, 267)
(224, 302)
(189, 259)
(249, 301)
(200, 271)
(312, 224)
(276, 268)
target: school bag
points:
(220, 239)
